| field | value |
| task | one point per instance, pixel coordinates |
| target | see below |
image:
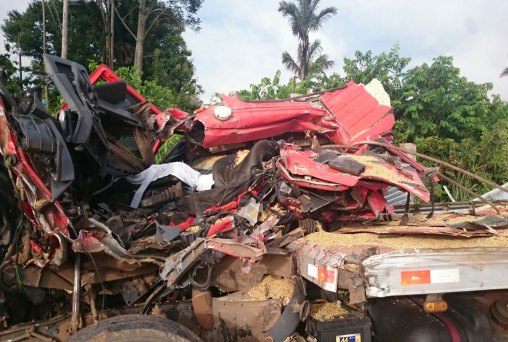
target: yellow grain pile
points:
(272, 287)
(206, 163)
(240, 156)
(374, 167)
(326, 239)
(327, 311)
(193, 229)
(445, 219)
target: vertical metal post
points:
(76, 293)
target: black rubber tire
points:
(131, 328)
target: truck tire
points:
(127, 328)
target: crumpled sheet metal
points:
(360, 114)
(100, 239)
(249, 120)
(303, 164)
(345, 115)
(179, 264)
(241, 248)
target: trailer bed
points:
(387, 264)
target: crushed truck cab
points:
(268, 221)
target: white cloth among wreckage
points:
(180, 170)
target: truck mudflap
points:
(414, 272)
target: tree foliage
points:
(24, 30)
(167, 61)
(388, 67)
(438, 101)
(167, 14)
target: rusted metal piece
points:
(133, 289)
(202, 306)
(233, 316)
(286, 239)
(178, 264)
(351, 280)
(227, 274)
(91, 299)
(46, 329)
(238, 249)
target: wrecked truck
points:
(268, 221)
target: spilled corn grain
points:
(272, 287)
(376, 168)
(327, 311)
(193, 229)
(325, 239)
(240, 156)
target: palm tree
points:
(303, 19)
(310, 61)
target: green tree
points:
(24, 31)
(170, 66)
(437, 101)
(388, 67)
(160, 13)
(167, 59)
(304, 18)
(13, 83)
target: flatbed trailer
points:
(396, 270)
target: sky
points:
(241, 41)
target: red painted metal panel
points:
(359, 112)
(222, 136)
(301, 163)
(350, 114)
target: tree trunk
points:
(140, 37)
(108, 47)
(112, 34)
(44, 46)
(65, 28)
(304, 62)
(107, 10)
